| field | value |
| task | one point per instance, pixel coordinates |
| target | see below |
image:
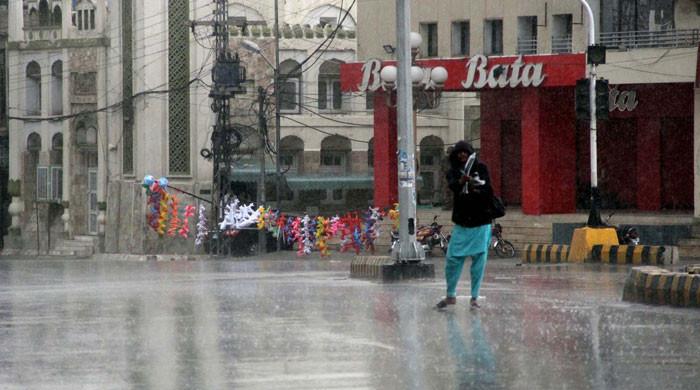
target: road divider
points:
(546, 253)
(637, 254)
(658, 286)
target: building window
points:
(290, 86)
(429, 32)
(33, 89)
(561, 33)
(49, 183)
(460, 38)
(338, 194)
(291, 154)
(57, 16)
(637, 15)
(34, 143)
(44, 13)
(335, 152)
(330, 97)
(493, 37)
(527, 35)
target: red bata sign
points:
(479, 72)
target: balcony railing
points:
(561, 44)
(43, 33)
(644, 39)
(527, 45)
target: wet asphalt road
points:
(304, 324)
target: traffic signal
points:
(602, 99)
(596, 54)
(583, 105)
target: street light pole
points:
(408, 249)
(278, 130)
(594, 215)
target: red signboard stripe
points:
(558, 70)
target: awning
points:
(330, 182)
(251, 175)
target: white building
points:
(102, 93)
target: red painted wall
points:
(548, 146)
(645, 156)
(385, 165)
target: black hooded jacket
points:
(469, 210)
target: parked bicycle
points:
(502, 247)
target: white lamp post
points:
(409, 79)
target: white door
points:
(92, 201)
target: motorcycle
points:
(429, 236)
(502, 247)
(627, 235)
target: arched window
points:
(57, 142)
(84, 15)
(44, 13)
(85, 137)
(431, 151)
(57, 149)
(292, 154)
(335, 154)
(57, 16)
(34, 142)
(33, 89)
(290, 86)
(330, 97)
(33, 18)
(57, 88)
(431, 155)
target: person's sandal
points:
(473, 304)
(442, 305)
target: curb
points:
(369, 266)
(637, 255)
(653, 285)
(385, 269)
(546, 253)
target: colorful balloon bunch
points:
(371, 232)
(160, 204)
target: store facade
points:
(537, 151)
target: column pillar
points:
(68, 142)
(696, 138)
(385, 164)
(531, 151)
(649, 164)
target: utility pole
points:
(227, 77)
(262, 124)
(409, 249)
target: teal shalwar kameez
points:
(467, 242)
(471, 234)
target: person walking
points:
(471, 234)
